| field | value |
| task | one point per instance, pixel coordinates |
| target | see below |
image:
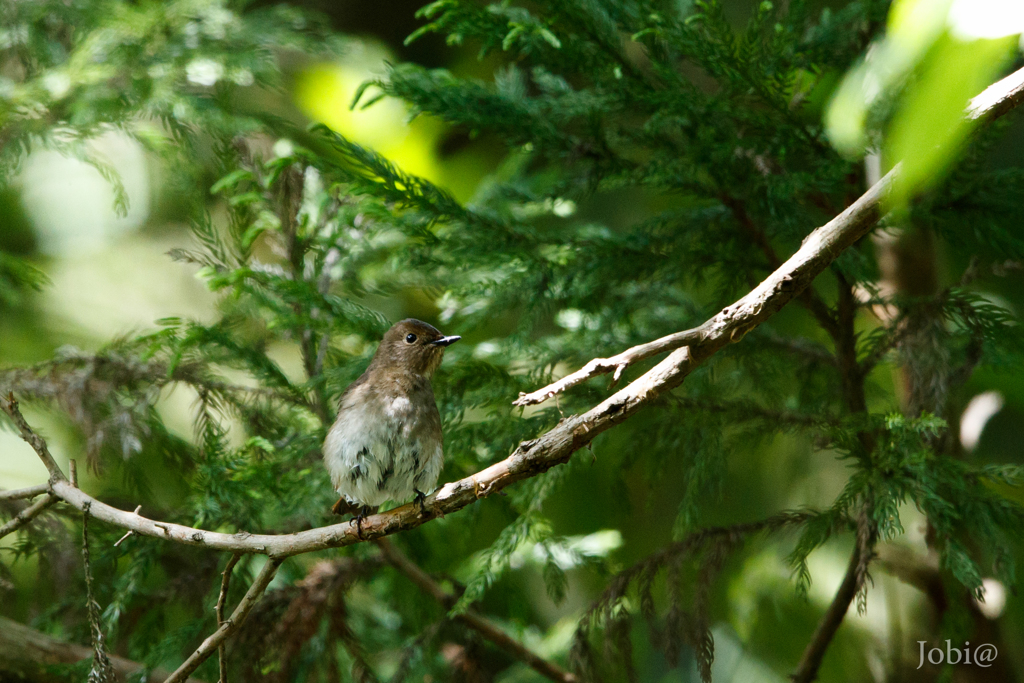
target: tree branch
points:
(920, 571)
(29, 492)
(602, 366)
(225, 583)
(211, 644)
(808, 297)
(397, 559)
(794, 276)
(853, 581)
(27, 515)
(999, 98)
(817, 252)
(37, 442)
(26, 655)
(102, 669)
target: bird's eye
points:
(410, 338)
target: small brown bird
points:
(386, 443)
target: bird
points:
(386, 443)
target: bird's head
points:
(412, 346)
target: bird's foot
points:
(364, 512)
(420, 500)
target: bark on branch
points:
(30, 492)
(616, 364)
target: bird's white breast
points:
(378, 451)
(399, 407)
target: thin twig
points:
(397, 559)
(616, 364)
(225, 583)
(29, 492)
(130, 532)
(102, 670)
(853, 581)
(10, 406)
(863, 552)
(212, 643)
(27, 515)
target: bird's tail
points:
(345, 507)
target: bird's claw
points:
(364, 511)
(420, 500)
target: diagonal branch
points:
(225, 583)
(794, 276)
(37, 442)
(810, 299)
(817, 252)
(234, 622)
(853, 582)
(999, 98)
(689, 350)
(397, 559)
(29, 492)
(27, 515)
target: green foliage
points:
(908, 98)
(16, 277)
(657, 163)
(166, 74)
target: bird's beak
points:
(445, 341)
